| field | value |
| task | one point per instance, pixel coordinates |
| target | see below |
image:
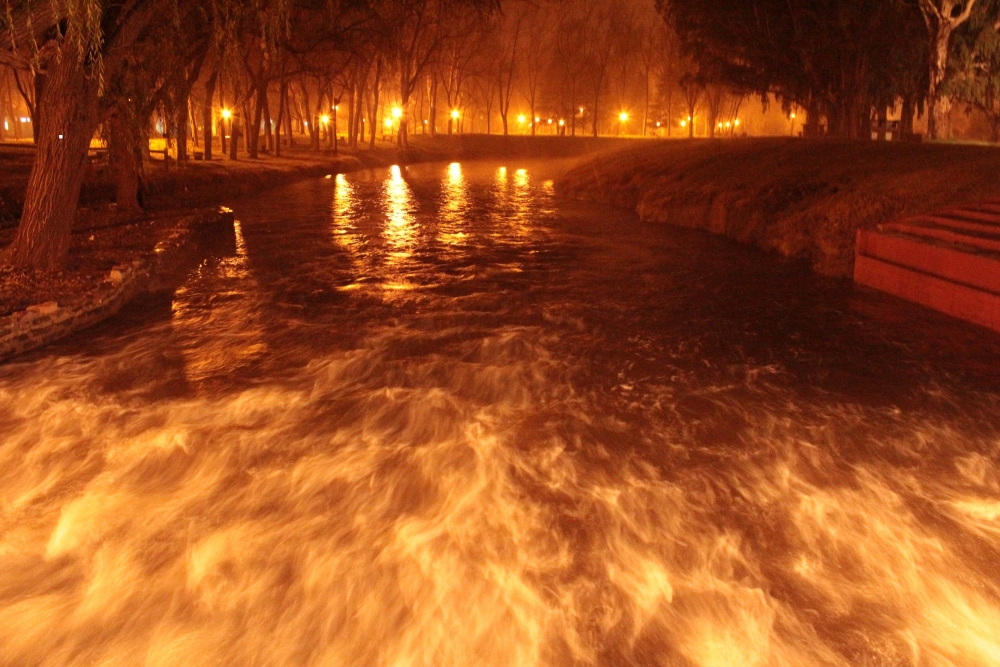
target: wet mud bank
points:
(804, 199)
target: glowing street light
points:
(227, 114)
(521, 119)
(562, 123)
(623, 116)
(388, 123)
(684, 123)
(454, 114)
(397, 112)
(325, 119)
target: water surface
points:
(436, 416)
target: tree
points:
(942, 18)
(600, 43)
(510, 34)
(975, 67)
(86, 44)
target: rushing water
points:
(437, 417)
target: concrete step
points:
(948, 260)
(969, 234)
(957, 263)
(962, 301)
(990, 218)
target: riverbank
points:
(803, 199)
(110, 262)
(199, 183)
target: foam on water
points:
(439, 418)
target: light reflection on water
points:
(525, 435)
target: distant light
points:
(324, 119)
(25, 120)
(657, 123)
(537, 119)
(306, 123)
(793, 115)
(226, 113)
(690, 119)
(623, 116)
(5, 126)
(737, 122)
(684, 123)
(336, 107)
(581, 109)
(60, 136)
(562, 123)
(728, 124)
(388, 122)
(397, 112)
(454, 114)
(425, 122)
(521, 119)
(550, 121)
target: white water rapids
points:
(437, 417)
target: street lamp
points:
(227, 114)
(454, 114)
(397, 112)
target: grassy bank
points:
(799, 198)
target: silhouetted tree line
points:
(845, 60)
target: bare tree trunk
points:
(282, 110)
(268, 131)
(906, 119)
(942, 17)
(125, 160)
(352, 117)
(234, 137)
(359, 112)
(182, 126)
(69, 118)
(288, 118)
(253, 130)
(597, 100)
(206, 112)
(192, 119)
(222, 122)
(433, 113)
(374, 110)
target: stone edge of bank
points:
(41, 324)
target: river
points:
(436, 416)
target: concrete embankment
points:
(799, 198)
